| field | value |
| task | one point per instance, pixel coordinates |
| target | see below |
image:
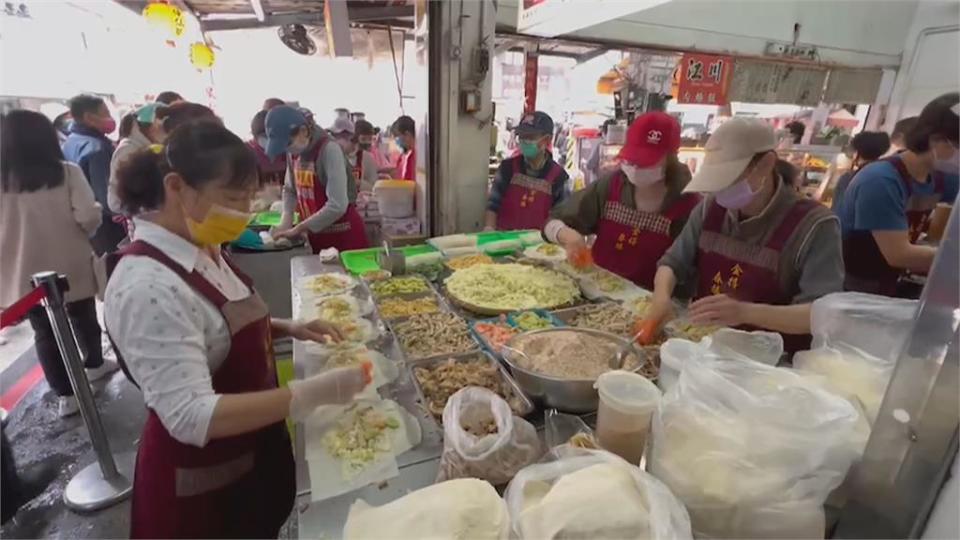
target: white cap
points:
(728, 152)
(341, 125)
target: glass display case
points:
(816, 166)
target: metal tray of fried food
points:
(519, 402)
(569, 314)
(437, 299)
(396, 323)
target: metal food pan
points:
(413, 296)
(429, 287)
(526, 404)
(567, 315)
(394, 322)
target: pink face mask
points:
(108, 126)
(736, 196)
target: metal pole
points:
(90, 489)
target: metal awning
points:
(217, 15)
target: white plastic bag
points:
(494, 457)
(463, 509)
(759, 346)
(752, 450)
(592, 494)
(877, 325)
(849, 372)
(763, 347)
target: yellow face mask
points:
(220, 225)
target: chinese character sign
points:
(704, 79)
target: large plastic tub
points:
(395, 197)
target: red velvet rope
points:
(19, 309)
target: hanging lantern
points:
(201, 55)
(165, 16)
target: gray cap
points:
(341, 125)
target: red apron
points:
(867, 269)
(630, 242)
(527, 202)
(746, 271)
(269, 171)
(344, 234)
(407, 166)
(358, 169)
(234, 487)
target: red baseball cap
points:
(650, 137)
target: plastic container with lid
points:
(395, 197)
(627, 402)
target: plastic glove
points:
(334, 387)
(645, 331)
(580, 257)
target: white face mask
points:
(950, 165)
(262, 141)
(642, 177)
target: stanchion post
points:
(87, 490)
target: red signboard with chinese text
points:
(704, 79)
(531, 76)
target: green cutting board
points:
(358, 261)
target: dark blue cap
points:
(536, 123)
(279, 124)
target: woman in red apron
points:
(323, 191)
(638, 211)
(757, 253)
(214, 459)
(527, 186)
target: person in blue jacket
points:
(88, 146)
(888, 204)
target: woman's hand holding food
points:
(334, 387)
(317, 330)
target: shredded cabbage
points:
(511, 287)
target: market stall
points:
(494, 359)
(443, 324)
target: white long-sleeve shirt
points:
(125, 150)
(170, 336)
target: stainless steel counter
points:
(268, 270)
(418, 466)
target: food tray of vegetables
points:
(466, 261)
(433, 334)
(533, 319)
(398, 286)
(399, 307)
(437, 379)
(493, 333)
(492, 289)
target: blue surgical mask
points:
(400, 144)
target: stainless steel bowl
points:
(569, 395)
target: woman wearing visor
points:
(637, 211)
(756, 252)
